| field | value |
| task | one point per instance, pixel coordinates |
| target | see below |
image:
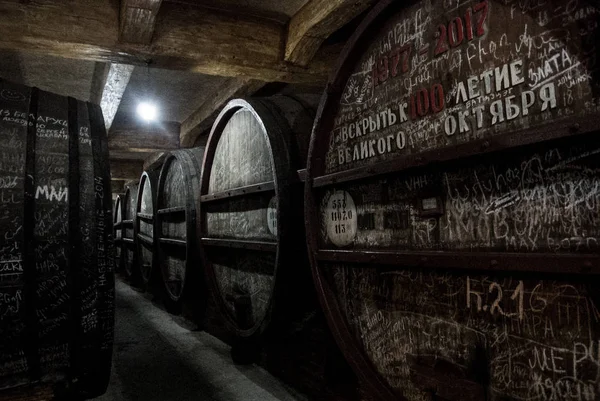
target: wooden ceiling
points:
(188, 56)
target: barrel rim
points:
(130, 269)
(274, 129)
(118, 217)
(136, 226)
(190, 219)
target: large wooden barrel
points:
(56, 247)
(128, 240)
(251, 208)
(145, 209)
(452, 203)
(175, 224)
(118, 230)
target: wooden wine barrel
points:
(251, 208)
(145, 209)
(175, 224)
(453, 208)
(56, 247)
(118, 231)
(128, 240)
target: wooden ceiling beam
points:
(315, 22)
(116, 82)
(132, 154)
(138, 142)
(117, 186)
(161, 136)
(202, 119)
(126, 169)
(137, 21)
(185, 37)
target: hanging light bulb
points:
(147, 111)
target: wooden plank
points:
(172, 241)
(240, 244)
(116, 83)
(315, 22)
(126, 169)
(164, 135)
(138, 18)
(139, 154)
(172, 210)
(202, 119)
(553, 263)
(186, 37)
(235, 192)
(487, 145)
(145, 239)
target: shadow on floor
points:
(155, 358)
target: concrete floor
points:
(157, 358)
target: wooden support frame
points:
(138, 18)
(315, 22)
(201, 120)
(181, 39)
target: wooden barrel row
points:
(251, 175)
(56, 247)
(450, 205)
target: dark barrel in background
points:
(250, 213)
(128, 240)
(56, 247)
(452, 203)
(175, 226)
(145, 211)
(118, 230)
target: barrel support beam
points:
(159, 136)
(126, 169)
(138, 18)
(315, 22)
(181, 39)
(201, 119)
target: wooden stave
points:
(150, 176)
(192, 170)
(85, 373)
(350, 346)
(276, 114)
